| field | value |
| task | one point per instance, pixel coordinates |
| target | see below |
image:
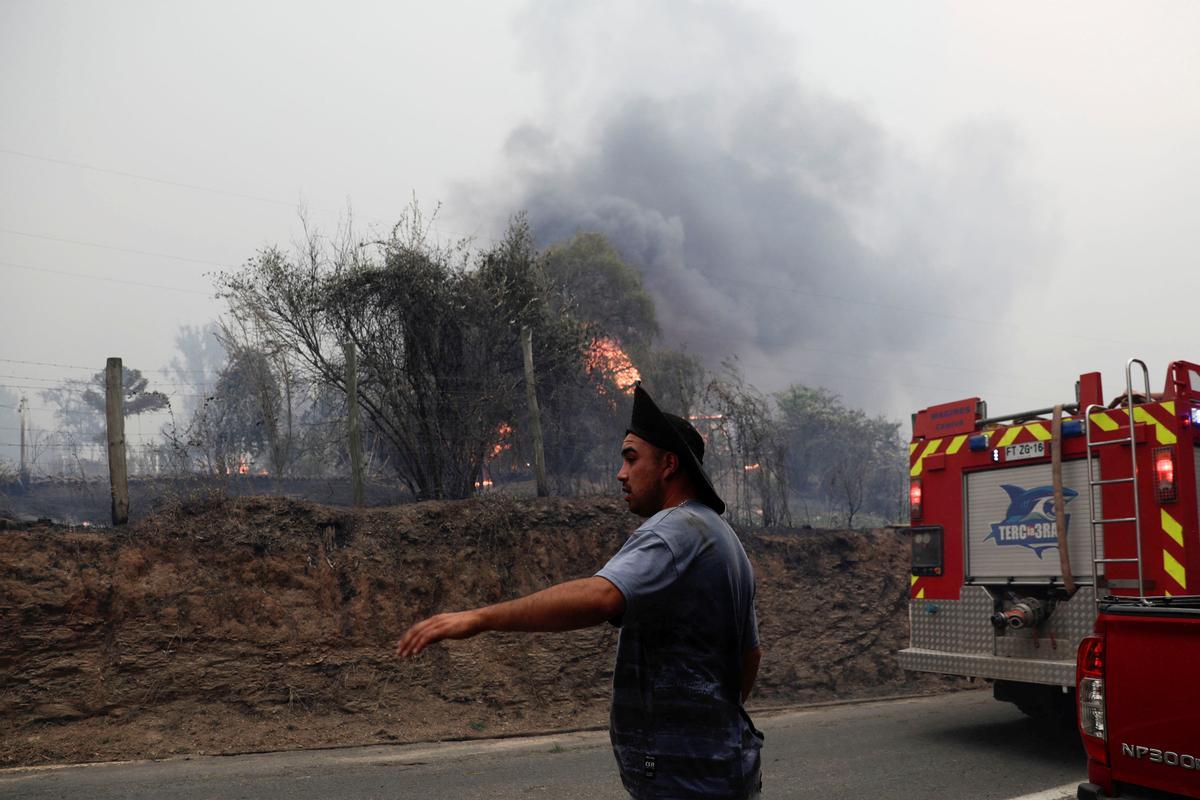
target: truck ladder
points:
(1097, 523)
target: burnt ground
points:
(220, 625)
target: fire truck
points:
(1022, 523)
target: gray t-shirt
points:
(678, 726)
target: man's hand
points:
(562, 607)
(459, 625)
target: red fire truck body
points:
(992, 595)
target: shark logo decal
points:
(1032, 519)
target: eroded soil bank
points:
(220, 625)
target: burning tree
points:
(439, 367)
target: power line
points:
(44, 364)
(117, 248)
(800, 373)
(25, 386)
(293, 204)
(918, 312)
(90, 384)
(148, 178)
(35, 378)
(49, 444)
(95, 369)
(103, 278)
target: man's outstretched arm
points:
(562, 607)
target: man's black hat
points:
(676, 435)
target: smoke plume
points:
(772, 222)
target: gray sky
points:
(906, 202)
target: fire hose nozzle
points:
(1028, 612)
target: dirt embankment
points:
(261, 623)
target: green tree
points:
(853, 462)
(590, 281)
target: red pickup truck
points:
(1138, 689)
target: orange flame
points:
(502, 442)
(607, 357)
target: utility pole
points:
(356, 465)
(114, 407)
(23, 474)
(535, 417)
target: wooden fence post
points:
(535, 418)
(114, 406)
(356, 465)
(23, 471)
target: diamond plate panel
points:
(956, 637)
(979, 635)
(953, 626)
(1059, 637)
(1053, 673)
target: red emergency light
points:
(914, 498)
(1164, 474)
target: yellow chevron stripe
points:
(1039, 431)
(1172, 528)
(1164, 435)
(956, 444)
(913, 580)
(921, 593)
(929, 450)
(1175, 569)
(912, 448)
(1104, 422)
(1169, 405)
(1009, 435)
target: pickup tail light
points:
(1164, 474)
(1089, 685)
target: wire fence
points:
(54, 459)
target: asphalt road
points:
(964, 745)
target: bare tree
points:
(749, 452)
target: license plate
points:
(1017, 452)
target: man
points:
(682, 591)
